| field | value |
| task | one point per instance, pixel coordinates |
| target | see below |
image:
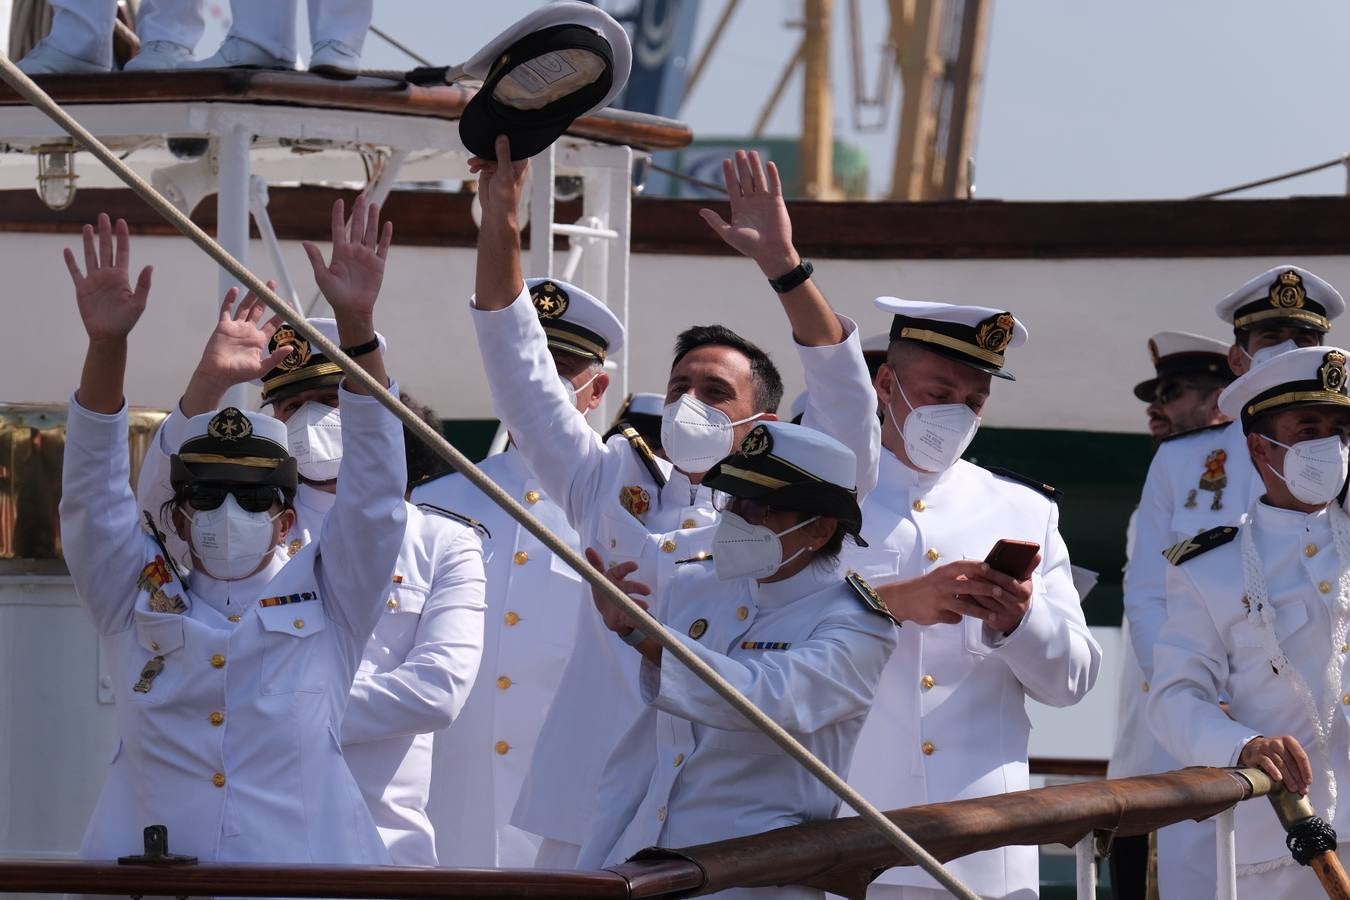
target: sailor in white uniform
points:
(533, 602)
(232, 680)
(262, 35)
(1258, 612)
(1197, 481)
(776, 614)
(1183, 395)
(614, 494)
(417, 669)
(950, 720)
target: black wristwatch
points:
(369, 346)
(793, 279)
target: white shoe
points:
(237, 53)
(333, 59)
(158, 56)
(44, 59)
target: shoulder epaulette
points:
(868, 595)
(1040, 487)
(644, 453)
(1203, 542)
(462, 519)
(1191, 431)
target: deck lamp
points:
(56, 175)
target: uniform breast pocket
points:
(397, 629)
(154, 672)
(291, 656)
(623, 537)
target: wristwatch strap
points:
(795, 278)
(369, 346)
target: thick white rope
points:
(39, 98)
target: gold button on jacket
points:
(217, 718)
(504, 682)
(502, 748)
(928, 748)
(218, 779)
(927, 682)
(521, 557)
(932, 554)
(218, 661)
(512, 618)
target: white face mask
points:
(573, 391)
(742, 550)
(1265, 353)
(1314, 470)
(694, 435)
(230, 542)
(936, 435)
(314, 434)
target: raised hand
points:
(235, 352)
(760, 227)
(351, 280)
(109, 306)
(500, 184)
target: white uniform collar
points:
(896, 475)
(1274, 520)
(314, 499)
(813, 579)
(234, 597)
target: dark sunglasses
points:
(254, 498)
(1164, 394)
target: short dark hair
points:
(423, 462)
(767, 380)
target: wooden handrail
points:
(841, 855)
(1067, 765)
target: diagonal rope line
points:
(36, 96)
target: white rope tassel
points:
(1261, 614)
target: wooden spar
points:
(363, 94)
(1311, 841)
(844, 855)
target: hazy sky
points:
(1083, 99)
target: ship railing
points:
(841, 856)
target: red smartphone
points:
(1016, 559)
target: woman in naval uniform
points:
(231, 681)
(774, 613)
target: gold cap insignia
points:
(550, 301)
(757, 442)
(996, 332)
(1332, 372)
(698, 629)
(1287, 292)
(230, 425)
(1153, 352)
(300, 352)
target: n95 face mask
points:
(229, 541)
(1314, 470)
(314, 435)
(742, 550)
(936, 435)
(695, 435)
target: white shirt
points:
(234, 743)
(532, 600)
(590, 479)
(416, 671)
(950, 721)
(807, 651)
(1210, 648)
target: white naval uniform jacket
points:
(1209, 649)
(807, 651)
(234, 744)
(532, 599)
(1173, 506)
(418, 666)
(950, 720)
(589, 479)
